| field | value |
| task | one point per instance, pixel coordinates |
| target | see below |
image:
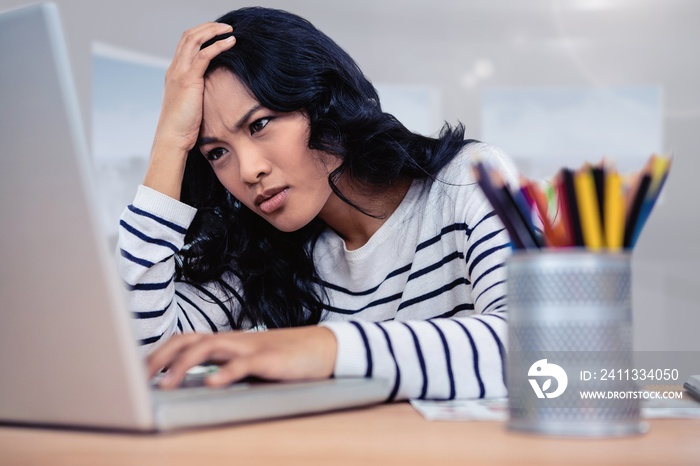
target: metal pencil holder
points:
(570, 313)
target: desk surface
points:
(386, 435)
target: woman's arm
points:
(442, 358)
(434, 359)
(152, 229)
(181, 111)
(151, 232)
(460, 357)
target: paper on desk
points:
(671, 408)
(496, 409)
(493, 409)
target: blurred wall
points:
(460, 47)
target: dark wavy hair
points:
(289, 65)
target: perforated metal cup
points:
(570, 311)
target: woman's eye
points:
(258, 125)
(215, 154)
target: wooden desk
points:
(382, 435)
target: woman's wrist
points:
(166, 169)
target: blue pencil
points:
(495, 198)
(647, 207)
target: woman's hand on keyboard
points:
(302, 353)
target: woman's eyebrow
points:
(245, 117)
(239, 124)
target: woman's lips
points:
(275, 202)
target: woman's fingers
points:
(183, 352)
(205, 56)
(167, 353)
(192, 40)
(181, 108)
(234, 370)
(206, 349)
(191, 61)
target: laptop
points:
(67, 353)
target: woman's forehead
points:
(223, 82)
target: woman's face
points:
(261, 156)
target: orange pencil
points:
(550, 235)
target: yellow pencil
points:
(614, 211)
(589, 213)
(659, 168)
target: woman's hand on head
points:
(302, 353)
(181, 110)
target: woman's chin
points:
(288, 225)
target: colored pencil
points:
(569, 192)
(634, 208)
(522, 219)
(614, 212)
(550, 238)
(589, 212)
(593, 207)
(598, 173)
(494, 198)
(660, 169)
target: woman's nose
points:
(253, 167)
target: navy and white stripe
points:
(152, 230)
(423, 303)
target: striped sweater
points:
(422, 303)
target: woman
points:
(280, 197)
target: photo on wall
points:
(127, 89)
